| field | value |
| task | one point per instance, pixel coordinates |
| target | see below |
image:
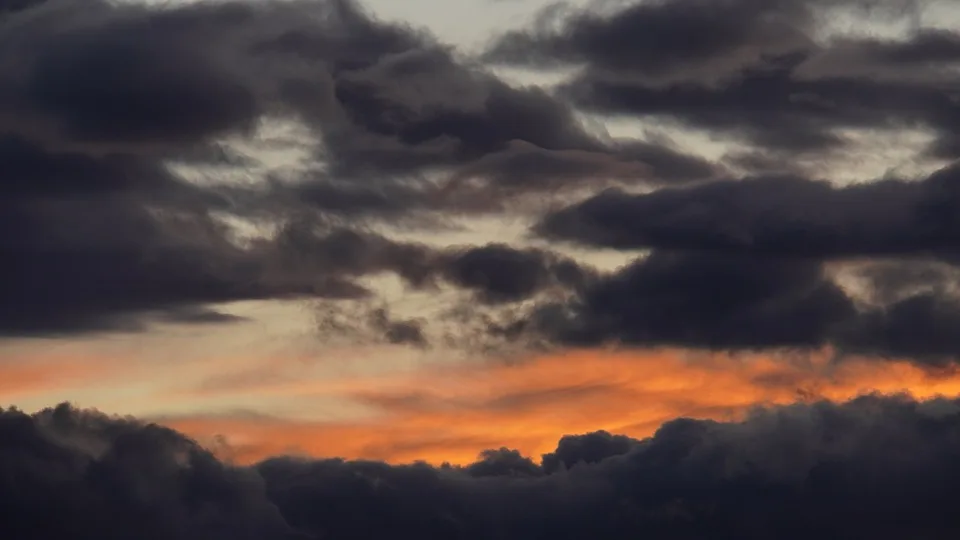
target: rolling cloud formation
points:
(876, 467)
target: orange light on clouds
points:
(452, 413)
(21, 378)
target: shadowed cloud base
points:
(876, 467)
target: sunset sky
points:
(488, 237)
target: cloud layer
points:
(106, 108)
(880, 467)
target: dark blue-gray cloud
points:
(98, 97)
(876, 467)
(758, 71)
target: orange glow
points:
(451, 414)
(26, 378)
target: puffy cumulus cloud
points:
(773, 74)
(588, 448)
(108, 477)
(881, 467)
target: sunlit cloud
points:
(452, 413)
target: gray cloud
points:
(702, 300)
(780, 215)
(107, 237)
(726, 301)
(754, 70)
(96, 98)
(882, 467)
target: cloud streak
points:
(451, 413)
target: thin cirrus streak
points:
(451, 414)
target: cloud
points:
(728, 301)
(106, 476)
(787, 216)
(667, 41)
(449, 413)
(589, 448)
(740, 263)
(499, 273)
(108, 236)
(100, 98)
(704, 300)
(879, 466)
(775, 75)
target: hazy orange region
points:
(27, 377)
(451, 414)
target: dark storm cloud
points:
(94, 244)
(76, 474)
(424, 111)
(385, 99)
(724, 301)
(496, 273)
(96, 98)
(877, 467)
(664, 40)
(749, 274)
(755, 69)
(586, 449)
(500, 274)
(703, 300)
(503, 462)
(779, 215)
(138, 245)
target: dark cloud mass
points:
(729, 302)
(98, 97)
(778, 216)
(876, 467)
(718, 302)
(99, 232)
(760, 71)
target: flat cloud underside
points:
(97, 100)
(877, 467)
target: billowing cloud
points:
(727, 301)
(877, 466)
(99, 98)
(773, 74)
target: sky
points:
(479, 269)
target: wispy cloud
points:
(452, 413)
